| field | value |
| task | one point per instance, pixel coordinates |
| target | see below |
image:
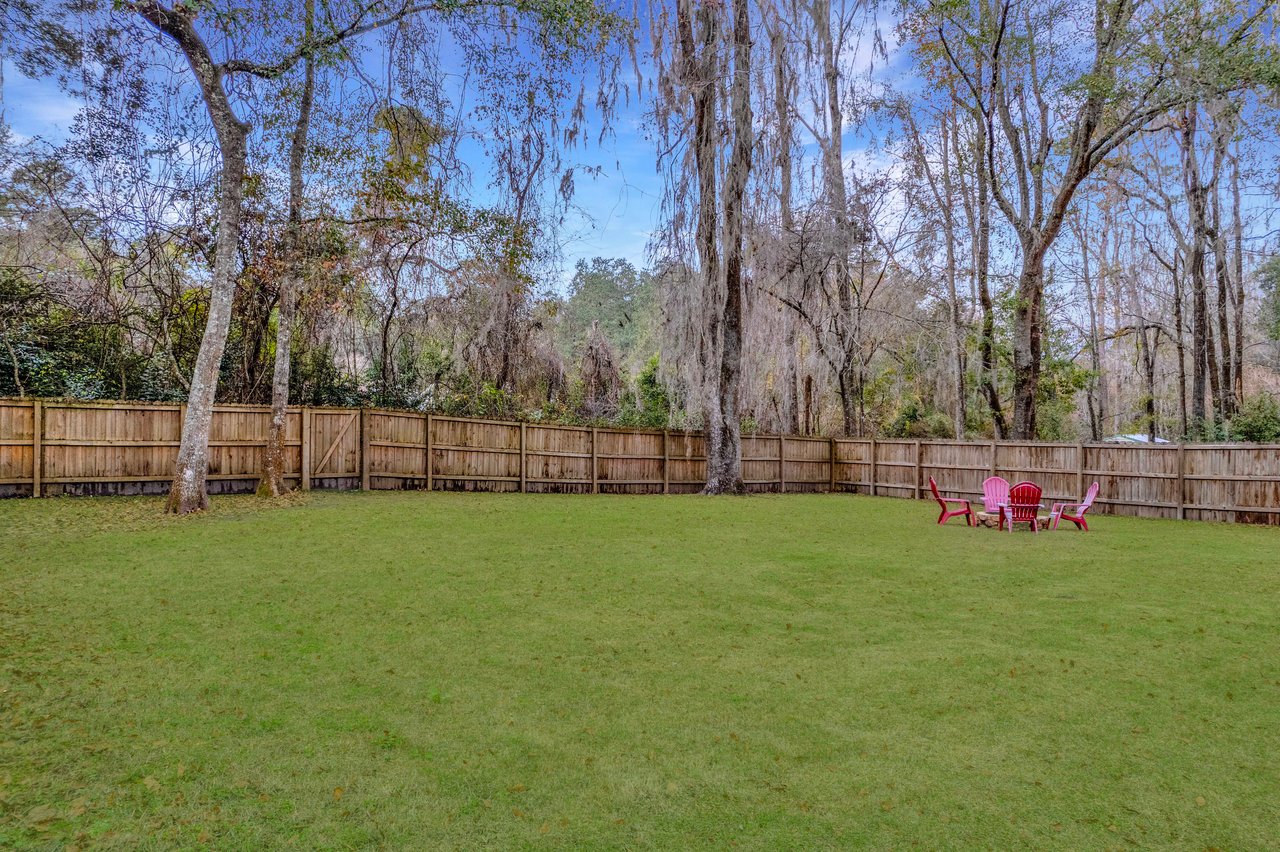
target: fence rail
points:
(52, 447)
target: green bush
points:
(1258, 421)
(920, 422)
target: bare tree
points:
(942, 190)
(272, 484)
(1053, 134)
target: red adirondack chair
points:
(995, 493)
(1023, 506)
(948, 513)
(1074, 512)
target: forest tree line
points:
(989, 219)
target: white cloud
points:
(36, 108)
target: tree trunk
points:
(782, 112)
(1222, 276)
(189, 492)
(1211, 366)
(1147, 357)
(1180, 343)
(386, 365)
(1237, 228)
(1226, 380)
(1027, 343)
(808, 405)
(1092, 397)
(697, 66)
(1148, 350)
(272, 484)
(845, 327)
(791, 380)
(1195, 268)
(980, 225)
(17, 374)
(724, 456)
(273, 465)
(1110, 294)
(959, 413)
(847, 386)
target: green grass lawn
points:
(426, 671)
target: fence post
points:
(1182, 490)
(364, 449)
(782, 465)
(831, 449)
(430, 456)
(919, 453)
(37, 448)
(522, 451)
(595, 472)
(873, 467)
(1080, 470)
(993, 459)
(666, 461)
(706, 451)
(304, 434)
(182, 421)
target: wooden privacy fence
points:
(54, 447)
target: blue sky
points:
(620, 206)
(36, 108)
(616, 209)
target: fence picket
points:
(37, 448)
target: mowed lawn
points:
(435, 671)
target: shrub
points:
(1258, 420)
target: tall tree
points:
(724, 428)
(940, 182)
(707, 39)
(273, 467)
(1056, 120)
